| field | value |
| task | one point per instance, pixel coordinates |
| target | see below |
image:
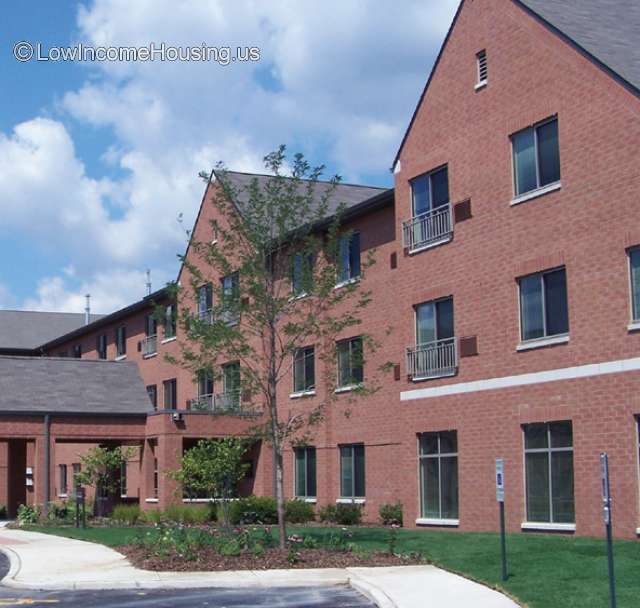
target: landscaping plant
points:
(391, 514)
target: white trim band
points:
(350, 501)
(542, 342)
(634, 326)
(532, 525)
(527, 196)
(152, 500)
(428, 521)
(552, 375)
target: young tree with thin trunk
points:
(279, 252)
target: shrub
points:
(327, 513)
(3, 512)
(253, 510)
(61, 511)
(348, 515)
(28, 514)
(127, 514)
(152, 516)
(183, 514)
(391, 514)
(299, 511)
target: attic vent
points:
(481, 59)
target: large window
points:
(305, 472)
(63, 479)
(205, 302)
(301, 273)
(101, 346)
(205, 383)
(429, 191)
(304, 378)
(634, 263)
(434, 321)
(121, 341)
(439, 475)
(170, 394)
(76, 469)
(548, 452)
(348, 257)
(230, 288)
(152, 391)
(352, 471)
(350, 362)
(543, 305)
(150, 325)
(536, 156)
(170, 318)
(231, 385)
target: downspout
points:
(47, 460)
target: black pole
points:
(503, 542)
(606, 500)
(47, 464)
(612, 578)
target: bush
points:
(327, 513)
(28, 514)
(183, 514)
(253, 510)
(127, 514)
(152, 516)
(348, 515)
(60, 511)
(299, 511)
(391, 514)
(3, 512)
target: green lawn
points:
(546, 571)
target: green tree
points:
(281, 245)
(213, 468)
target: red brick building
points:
(508, 270)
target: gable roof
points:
(605, 30)
(26, 329)
(71, 386)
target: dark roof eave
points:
(75, 414)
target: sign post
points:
(500, 499)
(606, 515)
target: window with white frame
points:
(305, 473)
(121, 341)
(205, 383)
(170, 394)
(350, 362)
(352, 478)
(101, 346)
(230, 291)
(536, 156)
(429, 191)
(548, 452)
(231, 384)
(543, 305)
(439, 475)
(348, 257)
(63, 479)
(205, 302)
(301, 273)
(304, 378)
(634, 267)
(170, 321)
(152, 391)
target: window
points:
(170, 317)
(150, 325)
(434, 321)
(76, 468)
(548, 452)
(350, 362)
(156, 478)
(63, 479)
(205, 302)
(230, 287)
(152, 391)
(435, 353)
(304, 370)
(481, 60)
(305, 472)
(301, 273)
(430, 191)
(348, 257)
(101, 346)
(439, 475)
(205, 383)
(121, 341)
(543, 305)
(352, 471)
(215, 232)
(536, 156)
(634, 263)
(77, 351)
(231, 384)
(170, 394)
(123, 479)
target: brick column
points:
(4, 473)
(39, 477)
(169, 455)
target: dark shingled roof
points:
(609, 30)
(71, 386)
(26, 329)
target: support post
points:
(47, 464)
(606, 514)
(500, 499)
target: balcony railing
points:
(149, 346)
(206, 316)
(428, 228)
(433, 359)
(217, 403)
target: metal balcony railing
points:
(428, 228)
(217, 403)
(149, 346)
(433, 359)
(206, 316)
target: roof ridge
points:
(303, 179)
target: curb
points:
(14, 565)
(371, 591)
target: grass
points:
(545, 571)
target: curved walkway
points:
(43, 561)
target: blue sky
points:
(98, 159)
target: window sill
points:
(151, 500)
(426, 246)
(428, 521)
(350, 501)
(347, 282)
(195, 501)
(120, 358)
(311, 501)
(529, 525)
(150, 355)
(542, 342)
(634, 326)
(300, 296)
(167, 340)
(638, 531)
(347, 389)
(299, 394)
(480, 85)
(527, 196)
(447, 374)
(65, 495)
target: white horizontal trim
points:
(154, 500)
(167, 340)
(197, 500)
(542, 342)
(346, 389)
(634, 326)
(350, 501)
(150, 355)
(310, 500)
(347, 282)
(532, 525)
(527, 196)
(300, 296)
(441, 241)
(63, 496)
(434, 376)
(120, 358)
(638, 531)
(552, 375)
(428, 521)
(302, 394)
(480, 85)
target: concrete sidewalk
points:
(42, 561)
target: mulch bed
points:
(209, 559)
